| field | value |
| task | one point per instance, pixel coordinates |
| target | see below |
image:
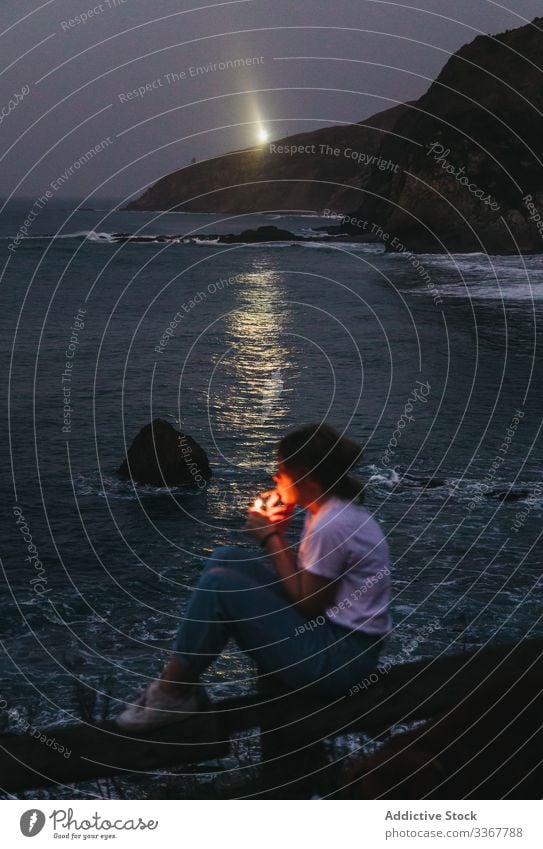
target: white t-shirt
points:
(344, 541)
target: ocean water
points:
(438, 376)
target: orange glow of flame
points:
(258, 505)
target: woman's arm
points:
(309, 593)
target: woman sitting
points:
(314, 621)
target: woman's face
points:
(286, 485)
(295, 488)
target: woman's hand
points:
(275, 516)
(258, 525)
(279, 514)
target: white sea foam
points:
(114, 488)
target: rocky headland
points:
(458, 170)
(469, 151)
(306, 172)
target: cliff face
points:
(472, 153)
(329, 169)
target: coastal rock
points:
(412, 481)
(261, 234)
(160, 455)
(468, 153)
(329, 171)
(510, 494)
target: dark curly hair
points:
(320, 452)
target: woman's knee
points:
(217, 576)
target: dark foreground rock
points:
(160, 455)
(486, 745)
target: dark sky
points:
(320, 62)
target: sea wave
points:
(399, 482)
(393, 480)
(179, 239)
(495, 291)
(114, 488)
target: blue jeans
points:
(239, 595)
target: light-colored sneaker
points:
(155, 708)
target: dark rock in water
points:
(509, 494)
(262, 234)
(150, 240)
(427, 483)
(160, 455)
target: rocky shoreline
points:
(262, 235)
